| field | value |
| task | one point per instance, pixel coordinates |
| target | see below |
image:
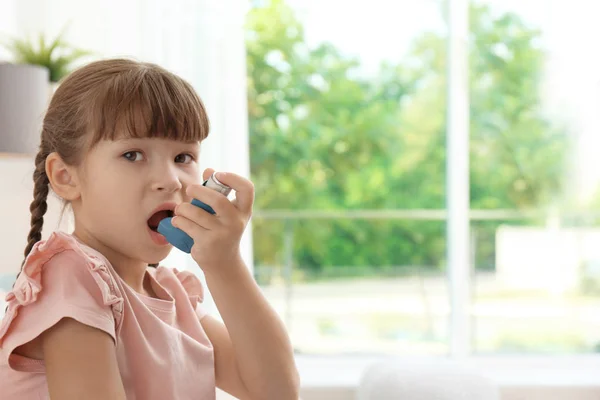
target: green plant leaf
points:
(56, 55)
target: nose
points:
(166, 179)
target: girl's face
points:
(122, 184)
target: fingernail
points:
(220, 175)
(173, 221)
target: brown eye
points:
(181, 158)
(133, 155)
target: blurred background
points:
(349, 119)
(340, 112)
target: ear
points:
(63, 178)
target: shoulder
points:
(62, 259)
(60, 274)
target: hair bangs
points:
(149, 103)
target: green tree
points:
(323, 137)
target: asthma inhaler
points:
(176, 236)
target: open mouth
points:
(155, 219)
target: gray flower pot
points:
(24, 94)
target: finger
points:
(188, 226)
(244, 189)
(207, 173)
(197, 215)
(216, 200)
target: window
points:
(534, 97)
(342, 120)
(348, 146)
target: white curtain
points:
(202, 41)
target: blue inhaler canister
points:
(176, 236)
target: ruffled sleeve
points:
(59, 280)
(194, 289)
(175, 280)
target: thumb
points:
(207, 173)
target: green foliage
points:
(324, 137)
(57, 55)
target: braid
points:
(38, 206)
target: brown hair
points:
(106, 99)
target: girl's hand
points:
(216, 237)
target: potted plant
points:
(57, 56)
(26, 83)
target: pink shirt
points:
(162, 350)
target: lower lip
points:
(158, 238)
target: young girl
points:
(91, 315)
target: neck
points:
(132, 271)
